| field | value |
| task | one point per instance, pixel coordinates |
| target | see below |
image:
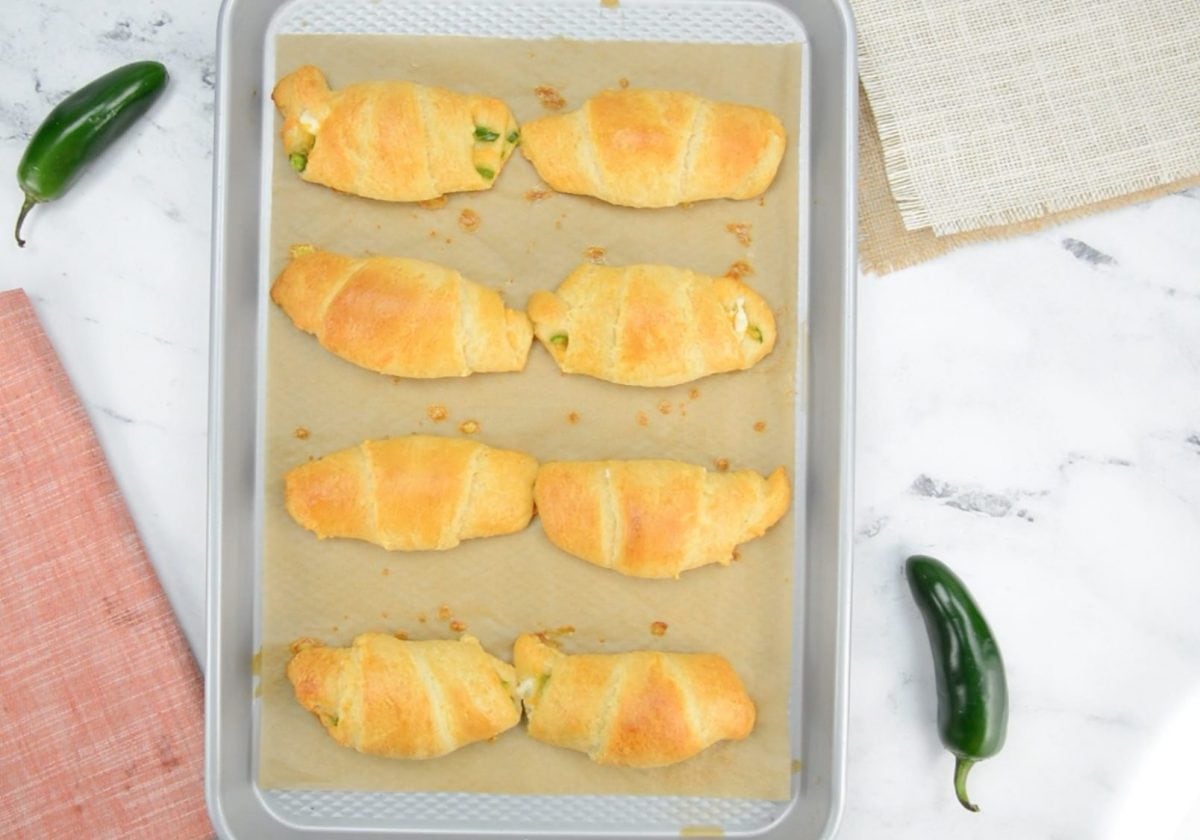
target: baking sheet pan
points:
(340, 810)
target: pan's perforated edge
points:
(679, 21)
(710, 22)
(471, 812)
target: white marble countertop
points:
(1027, 410)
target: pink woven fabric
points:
(102, 701)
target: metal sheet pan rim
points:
(232, 804)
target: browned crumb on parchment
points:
(642, 418)
(534, 196)
(737, 555)
(550, 98)
(741, 230)
(739, 269)
(664, 407)
(547, 637)
(694, 394)
(658, 628)
(760, 426)
(444, 612)
(573, 417)
(469, 220)
(458, 626)
(295, 647)
(469, 427)
(722, 464)
(622, 83)
(386, 571)
(594, 254)
(433, 203)
(422, 618)
(433, 234)
(436, 412)
(401, 635)
(301, 433)
(762, 199)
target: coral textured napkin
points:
(102, 700)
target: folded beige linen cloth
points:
(103, 703)
(985, 119)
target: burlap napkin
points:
(102, 701)
(985, 119)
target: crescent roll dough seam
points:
(707, 506)
(356, 155)
(752, 513)
(335, 289)
(351, 699)
(610, 541)
(463, 325)
(691, 714)
(689, 154)
(694, 296)
(466, 499)
(589, 155)
(437, 704)
(607, 718)
(423, 108)
(370, 487)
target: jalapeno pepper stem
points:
(962, 766)
(25, 208)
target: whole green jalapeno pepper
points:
(971, 686)
(81, 127)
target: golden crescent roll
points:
(401, 317)
(656, 148)
(394, 141)
(637, 709)
(413, 493)
(404, 699)
(655, 519)
(651, 325)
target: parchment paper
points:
(502, 586)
